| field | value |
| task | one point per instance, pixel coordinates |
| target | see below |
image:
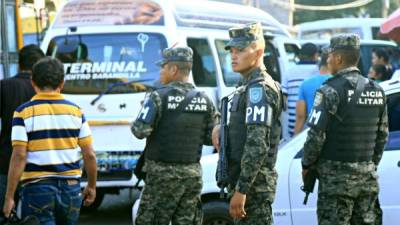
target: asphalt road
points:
(115, 210)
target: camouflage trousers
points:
(175, 200)
(258, 210)
(259, 199)
(346, 198)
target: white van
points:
(367, 28)
(106, 45)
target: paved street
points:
(115, 210)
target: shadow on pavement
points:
(115, 210)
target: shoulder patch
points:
(256, 94)
(318, 98)
(258, 110)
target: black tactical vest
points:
(352, 132)
(237, 130)
(179, 135)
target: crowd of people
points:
(47, 133)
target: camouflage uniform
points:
(348, 190)
(172, 190)
(256, 176)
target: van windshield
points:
(94, 62)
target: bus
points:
(11, 37)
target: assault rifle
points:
(138, 170)
(222, 167)
(309, 183)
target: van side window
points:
(292, 51)
(271, 61)
(204, 72)
(231, 78)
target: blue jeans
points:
(3, 188)
(54, 201)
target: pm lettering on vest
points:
(258, 111)
(314, 117)
(148, 112)
(318, 118)
(259, 115)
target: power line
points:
(355, 4)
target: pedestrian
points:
(177, 121)
(292, 79)
(381, 57)
(348, 131)
(378, 73)
(307, 92)
(254, 129)
(49, 134)
(13, 92)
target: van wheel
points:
(96, 204)
(216, 213)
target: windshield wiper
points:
(112, 86)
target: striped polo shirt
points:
(53, 130)
(295, 76)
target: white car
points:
(288, 208)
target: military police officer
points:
(348, 131)
(176, 120)
(254, 129)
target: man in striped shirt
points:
(305, 68)
(49, 135)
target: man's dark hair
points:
(307, 51)
(382, 54)
(324, 59)
(350, 57)
(28, 56)
(48, 73)
(381, 71)
(183, 67)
